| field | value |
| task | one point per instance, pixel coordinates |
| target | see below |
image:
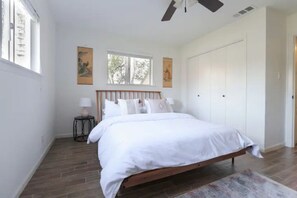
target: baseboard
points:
(33, 170)
(273, 148)
(65, 135)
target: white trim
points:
(246, 82)
(8, 66)
(31, 10)
(294, 93)
(132, 85)
(129, 54)
(33, 65)
(151, 74)
(33, 170)
(273, 148)
(290, 76)
(220, 47)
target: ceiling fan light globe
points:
(178, 3)
(191, 2)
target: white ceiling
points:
(141, 19)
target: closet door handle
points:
(223, 96)
(198, 95)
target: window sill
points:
(11, 67)
(130, 85)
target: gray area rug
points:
(246, 184)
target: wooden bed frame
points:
(152, 175)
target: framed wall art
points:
(167, 72)
(84, 66)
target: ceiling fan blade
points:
(212, 5)
(169, 12)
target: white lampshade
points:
(170, 101)
(85, 102)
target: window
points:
(18, 33)
(129, 69)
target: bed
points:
(139, 148)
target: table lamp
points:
(84, 104)
(170, 101)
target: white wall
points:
(27, 112)
(252, 29)
(291, 34)
(275, 79)
(68, 92)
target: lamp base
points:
(84, 112)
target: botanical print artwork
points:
(84, 66)
(167, 72)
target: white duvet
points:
(136, 143)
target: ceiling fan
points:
(212, 5)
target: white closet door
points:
(203, 94)
(218, 85)
(236, 86)
(192, 87)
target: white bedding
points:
(136, 143)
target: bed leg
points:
(120, 192)
(232, 160)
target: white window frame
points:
(132, 55)
(34, 40)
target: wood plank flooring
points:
(71, 169)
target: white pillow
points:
(158, 106)
(111, 109)
(129, 106)
(143, 109)
(147, 106)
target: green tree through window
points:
(129, 69)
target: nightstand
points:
(84, 121)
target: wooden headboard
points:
(114, 95)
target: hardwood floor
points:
(71, 169)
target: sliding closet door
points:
(236, 86)
(192, 87)
(218, 86)
(203, 94)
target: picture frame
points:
(84, 66)
(167, 72)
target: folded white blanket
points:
(136, 143)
